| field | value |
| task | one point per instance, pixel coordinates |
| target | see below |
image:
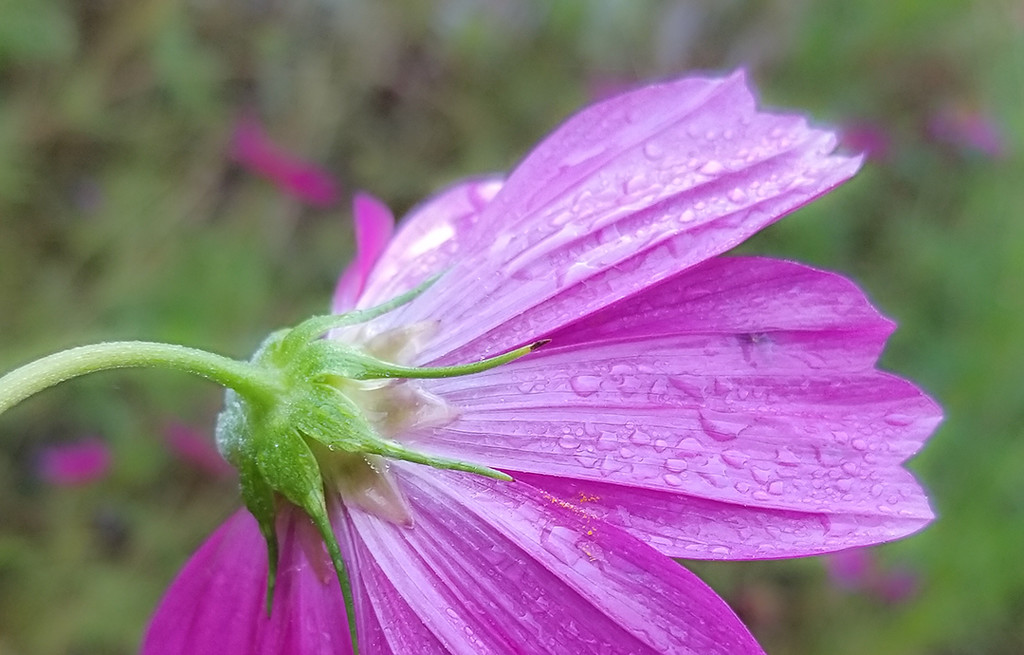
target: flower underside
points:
(328, 422)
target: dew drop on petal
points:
(585, 385)
(675, 465)
(712, 167)
(653, 151)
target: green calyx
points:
(288, 422)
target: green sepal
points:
(322, 359)
(317, 326)
(239, 445)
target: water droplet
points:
(899, 420)
(653, 151)
(660, 445)
(675, 464)
(717, 429)
(737, 195)
(785, 457)
(859, 444)
(712, 167)
(569, 442)
(585, 385)
(639, 438)
(735, 458)
(673, 480)
(776, 488)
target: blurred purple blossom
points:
(859, 570)
(968, 128)
(868, 138)
(253, 149)
(196, 449)
(76, 463)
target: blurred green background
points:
(122, 215)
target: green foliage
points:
(123, 216)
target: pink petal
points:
(374, 224)
(851, 569)
(217, 603)
(75, 463)
(196, 449)
(252, 148)
(747, 382)
(968, 128)
(503, 568)
(628, 192)
(427, 241)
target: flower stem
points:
(246, 379)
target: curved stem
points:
(19, 384)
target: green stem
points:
(32, 378)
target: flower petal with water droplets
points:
(503, 568)
(745, 381)
(628, 192)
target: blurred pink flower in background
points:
(868, 138)
(197, 449)
(859, 570)
(253, 149)
(75, 463)
(968, 128)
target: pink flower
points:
(688, 405)
(252, 148)
(76, 463)
(869, 138)
(969, 129)
(196, 449)
(857, 569)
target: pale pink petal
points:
(374, 224)
(196, 449)
(628, 192)
(217, 603)
(428, 239)
(503, 568)
(74, 464)
(745, 381)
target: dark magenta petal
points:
(217, 606)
